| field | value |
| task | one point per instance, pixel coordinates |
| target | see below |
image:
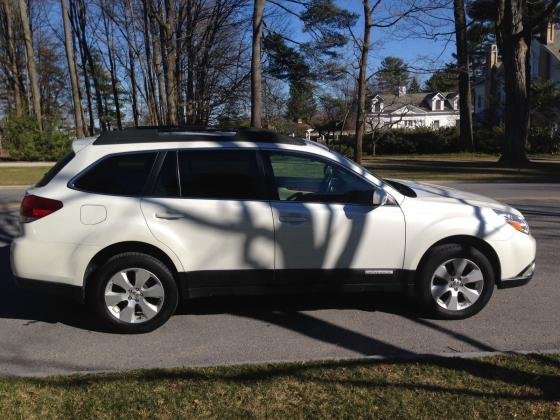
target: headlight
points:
(517, 222)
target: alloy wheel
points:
(457, 284)
(134, 295)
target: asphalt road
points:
(43, 335)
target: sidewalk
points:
(7, 164)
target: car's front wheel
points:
(455, 282)
(133, 293)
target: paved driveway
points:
(44, 335)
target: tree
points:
(545, 115)
(414, 86)
(515, 22)
(256, 77)
(31, 67)
(13, 70)
(465, 100)
(361, 111)
(392, 73)
(72, 71)
(443, 80)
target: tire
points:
(461, 293)
(124, 308)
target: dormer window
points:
(438, 102)
(377, 104)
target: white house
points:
(410, 110)
(545, 55)
(489, 93)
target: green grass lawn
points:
(21, 175)
(497, 387)
(460, 167)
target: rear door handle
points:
(293, 218)
(169, 216)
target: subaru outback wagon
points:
(132, 221)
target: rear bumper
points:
(521, 279)
(58, 289)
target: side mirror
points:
(380, 197)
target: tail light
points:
(34, 207)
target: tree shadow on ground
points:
(541, 387)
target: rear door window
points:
(124, 174)
(220, 174)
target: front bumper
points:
(521, 279)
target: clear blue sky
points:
(420, 54)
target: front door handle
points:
(293, 218)
(169, 216)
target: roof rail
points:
(192, 133)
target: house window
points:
(377, 107)
(409, 123)
(435, 124)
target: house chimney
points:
(548, 34)
(402, 91)
(492, 59)
(299, 121)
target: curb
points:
(405, 357)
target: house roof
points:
(553, 48)
(423, 101)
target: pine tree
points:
(414, 86)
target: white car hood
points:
(431, 192)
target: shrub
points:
(421, 140)
(23, 140)
(544, 140)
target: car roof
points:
(167, 135)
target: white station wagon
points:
(134, 220)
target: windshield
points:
(351, 162)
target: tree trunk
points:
(12, 58)
(131, 63)
(171, 54)
(465, 101)
(31, 68)
(190, 63)
(515, 51)
(81, 17)
(69, 45)
(158, 64)
(256, 77)
(360, 114)
(151, 96)
(112, 69)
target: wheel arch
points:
(475, 242)
(128, 246)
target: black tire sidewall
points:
(435, 258)
(96, 294)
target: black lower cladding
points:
(521, 279)
(257, 282)
(58, 289)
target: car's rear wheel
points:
(133, 293)
(455, 281)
